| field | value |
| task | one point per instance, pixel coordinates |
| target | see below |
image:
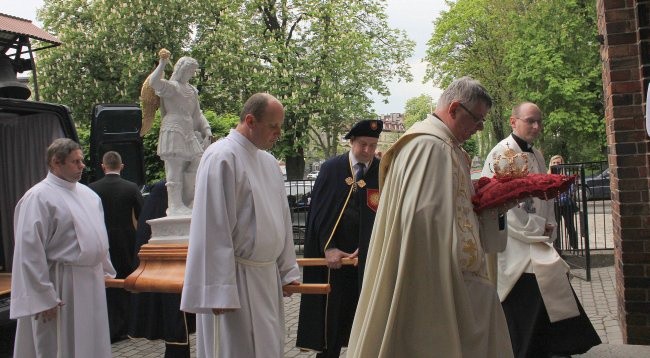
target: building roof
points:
(393, 122)
(12, 27)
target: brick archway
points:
(624, 27)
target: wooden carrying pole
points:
(322, 262)
(162, 269)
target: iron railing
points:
(299, 198)
(584, 214)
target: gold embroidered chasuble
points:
(426, 292)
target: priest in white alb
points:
(241, 250)
(60, 261)
(544, 316)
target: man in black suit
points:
(122, 203)
(156, 315)
(343, 205)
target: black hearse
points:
(27, 127)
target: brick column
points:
(624, 26)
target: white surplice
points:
(60, 255)
(528, 249)
(240, 252)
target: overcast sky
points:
(414, 16)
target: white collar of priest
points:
(243, 141)
(61, 182)
(525, 146)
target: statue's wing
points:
(150, 104)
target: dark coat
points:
(121, 200)
(157, 315)
(334, 205)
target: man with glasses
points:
(544, 316)
(426, 290)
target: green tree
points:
(554, 61)
(154, 166)
(540, 51)
(417, 109)
(321, 59)
(470, 40)
(109, 47)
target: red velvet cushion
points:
(492, 192)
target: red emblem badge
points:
(372, 199)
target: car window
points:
(298, 193)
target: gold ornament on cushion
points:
(510, 164)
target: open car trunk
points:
(26, 130)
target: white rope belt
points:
(248, 262)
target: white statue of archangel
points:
(184, 131)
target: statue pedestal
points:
(170, 230)
(162, 260)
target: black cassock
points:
(158, 315)
(341, 216)
(121, 199)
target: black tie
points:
(359, 173)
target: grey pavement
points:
(597, 296)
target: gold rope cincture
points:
(336, 224)
(187, 335)
(347, 199)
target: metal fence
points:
(299, 198)
(584, 214)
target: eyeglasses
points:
(475, 117)
(531, 121)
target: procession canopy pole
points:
(322, 262)
(303, 288)
(114, 282)
(165, 273)
(308, 288)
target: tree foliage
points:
(417, 109)
(469, 39)
(321, 59)
(524, 50)
(154, 166)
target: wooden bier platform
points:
(5, 283)
(162, 269)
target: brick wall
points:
(624, 26)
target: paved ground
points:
(598, 297)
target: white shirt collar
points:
(243, 141)
(60, 182)
(354, 161)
